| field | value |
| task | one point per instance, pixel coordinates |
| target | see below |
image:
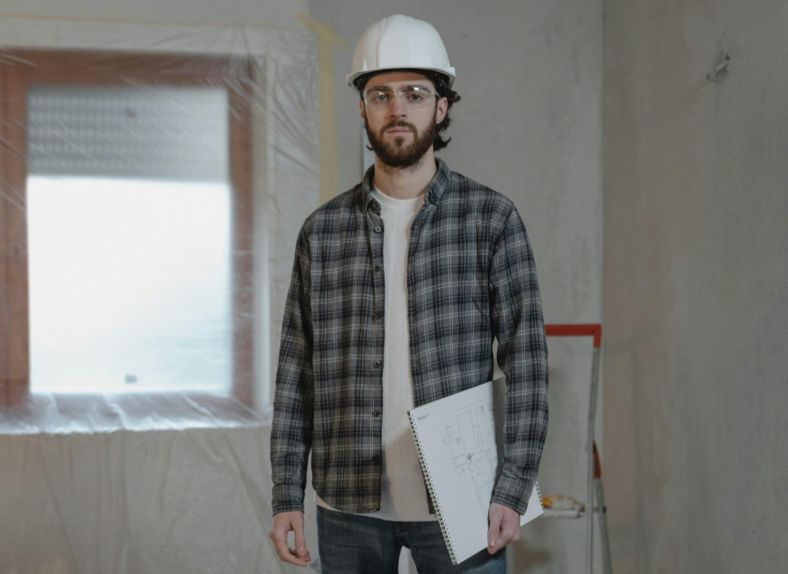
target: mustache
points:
(399, 124)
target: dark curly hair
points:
(441, 86)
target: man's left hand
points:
(504, 527)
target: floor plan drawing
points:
(470, 437)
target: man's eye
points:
(414, 96)
(380, 97)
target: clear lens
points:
(411, 96)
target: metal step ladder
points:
(561, 506)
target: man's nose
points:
(397, 106)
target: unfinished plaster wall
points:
(695, 275)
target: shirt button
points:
(376, 413)
(378, 316)
(377, 229)
(377, 363)
(376, 459)
(376, 267)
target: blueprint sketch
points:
(471, 439)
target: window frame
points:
(22, 69)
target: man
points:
(399, 288)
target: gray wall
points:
(529, 125)
(696, 252)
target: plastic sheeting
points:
(59, 414)
(135, 484)
(100, 471)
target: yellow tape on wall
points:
(327, 40)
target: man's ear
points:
(362, 109)
(441, 108)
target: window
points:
(126, 214)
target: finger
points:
(515, 535)
(493, 532)
(300, 540)
(510, 528)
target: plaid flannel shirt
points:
(471, 279)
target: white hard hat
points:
(399, 42)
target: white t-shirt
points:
(403, 495)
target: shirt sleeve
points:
(518, 325)
(291, 432)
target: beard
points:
(397, 153)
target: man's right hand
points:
(285, 522)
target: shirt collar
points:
(435, 189)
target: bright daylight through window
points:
(130, 241)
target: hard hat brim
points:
(352, 77)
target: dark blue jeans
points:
(353, 544)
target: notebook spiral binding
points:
(538, 492)
(435, 502)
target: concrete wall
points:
(529, 125)
(696, 269)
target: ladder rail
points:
(589, 330)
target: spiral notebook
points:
(456, 441)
